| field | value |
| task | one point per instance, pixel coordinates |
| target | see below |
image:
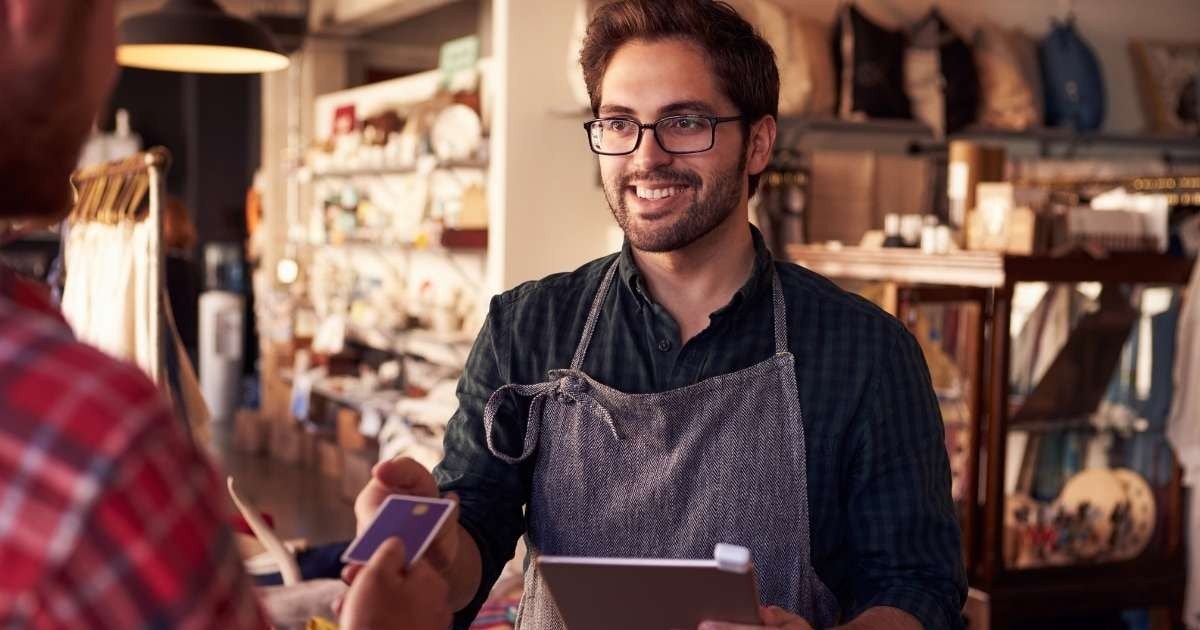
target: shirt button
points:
(664, 345)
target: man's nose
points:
(649, 154)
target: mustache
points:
(664, 174)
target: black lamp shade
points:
(198, 36)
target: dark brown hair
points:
(742, 60)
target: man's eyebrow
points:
(615, 109)
(686, 106)
(678, 107)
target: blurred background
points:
(1016, 180)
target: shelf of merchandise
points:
(452, 239)
(445, 349)
(985, 269)
(923, 138)
(385, 171)
(1037, 134)
(1001, 595)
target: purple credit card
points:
(414, 520)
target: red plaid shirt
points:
(109, 516)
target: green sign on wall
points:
(457, 63)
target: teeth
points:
(656, 193)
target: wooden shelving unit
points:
(1002, 596)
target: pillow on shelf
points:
(771, 22)
(1026, 49)
(1009, 79)
(1169, 83)
(811, 66)
(940, 76)
(868, 62)
(801, 45)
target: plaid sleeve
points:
(491, 492)
(109, 516)
(154, 550)
(904, 529)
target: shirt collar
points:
(759, 281)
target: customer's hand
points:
(403, 475)
(772, 617)
(385, 595)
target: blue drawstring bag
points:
(1074, 85)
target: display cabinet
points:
(1054, 376)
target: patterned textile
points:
(109, 516)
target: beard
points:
(35, 166)
(712, 203)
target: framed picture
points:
(1169, 81)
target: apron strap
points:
(781, 336)
(593, 315)
(567, 390)
(539, 393)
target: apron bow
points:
(568, 389)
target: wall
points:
(553, 214)
(1107, 25)
(210, 124)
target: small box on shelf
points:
(471, 238)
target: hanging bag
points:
(1074, 86)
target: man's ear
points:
(762, 141)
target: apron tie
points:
(566, 390)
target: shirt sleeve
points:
(154, 548)
(907, 543)
(491, 493)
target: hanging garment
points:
(728, 455)
(108, 290)
(1183, 430)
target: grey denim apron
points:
(670, 474)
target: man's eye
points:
(619, 126)
(686, 124)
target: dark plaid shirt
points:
(884, 531)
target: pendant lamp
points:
(197, 36)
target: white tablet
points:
(652, 594)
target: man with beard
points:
(110, 517)
(690, 390)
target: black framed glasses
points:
(688, 133)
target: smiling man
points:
(691, 390)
